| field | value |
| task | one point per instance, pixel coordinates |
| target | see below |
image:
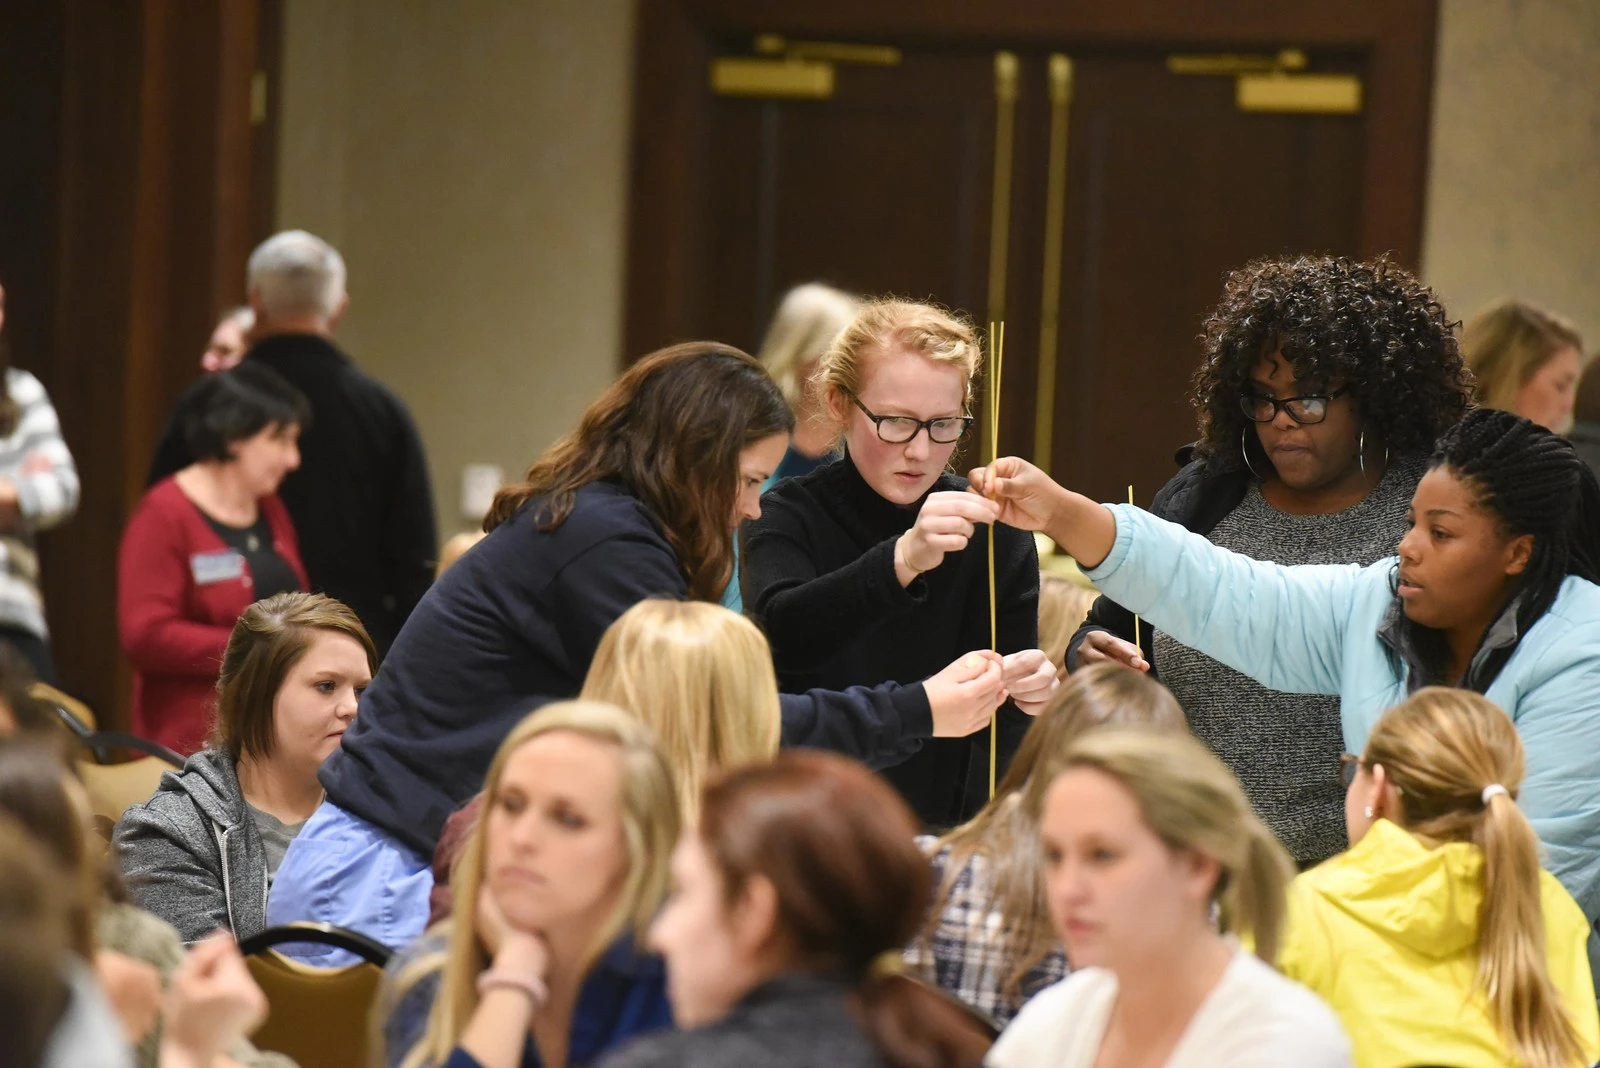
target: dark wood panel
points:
(1053, 23)
(31, 73)
(672, 103)
(883, 189)
(1171, 187)
(128, 137)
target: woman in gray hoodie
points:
(202, 851)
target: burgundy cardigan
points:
(173, 627)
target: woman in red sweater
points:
(206, 543)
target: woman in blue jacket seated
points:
(1493, 590)
(639, 501)
(541, 962)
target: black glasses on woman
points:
(900, 429)
(1307, 409)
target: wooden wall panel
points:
(144, 190)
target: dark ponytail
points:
(1533, 482)
(836, 844)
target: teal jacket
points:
(1314, 629)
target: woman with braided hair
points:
(1493, 590)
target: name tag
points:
(218, 566)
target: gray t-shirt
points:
(275, 835)
(1285, 747)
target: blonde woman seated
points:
(989, 940)
(698, 675)
(541, 962)
(1146, 836)
(1527, 360)
(1436, 937)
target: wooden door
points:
(885, 187)
(1169, 187)
(134, 184)
(888, 185)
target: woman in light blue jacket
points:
(1493, 589)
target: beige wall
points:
(469, 160)
(1514, 185)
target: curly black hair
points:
(1370, 323)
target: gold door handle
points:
(1055, 221)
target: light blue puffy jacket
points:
(1314, 629)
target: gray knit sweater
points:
(1285, 747)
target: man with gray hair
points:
(361, 501)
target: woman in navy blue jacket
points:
(639, 501)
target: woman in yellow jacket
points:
(1436, 937)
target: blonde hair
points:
(1190, 800)
(1063, 606)
(456, 548)
(1507, 343)
(1440, 748)
(700, 677)
(1006, 831)
(650, 827)
(807, 320)
(886, 323)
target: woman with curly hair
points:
(1325, 383)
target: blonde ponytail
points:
(1525, 1004)
(1253, 900)
(1445, 750)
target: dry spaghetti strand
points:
(997, 353)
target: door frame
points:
(674, 42)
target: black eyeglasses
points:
(1306, 410)
(1349, 767)
(901, 429)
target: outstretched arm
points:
(1282, 626)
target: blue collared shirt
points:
(624, 994)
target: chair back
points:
(112, 788)
(317, 1016)
(78, 717)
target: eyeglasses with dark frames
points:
(1349, 767)
(1307, 409)
(902, 429)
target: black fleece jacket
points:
(818, 575)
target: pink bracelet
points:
(530, 985)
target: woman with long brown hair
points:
(639, 501)
(794, 892)
(1436, 937)
(201, 852)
